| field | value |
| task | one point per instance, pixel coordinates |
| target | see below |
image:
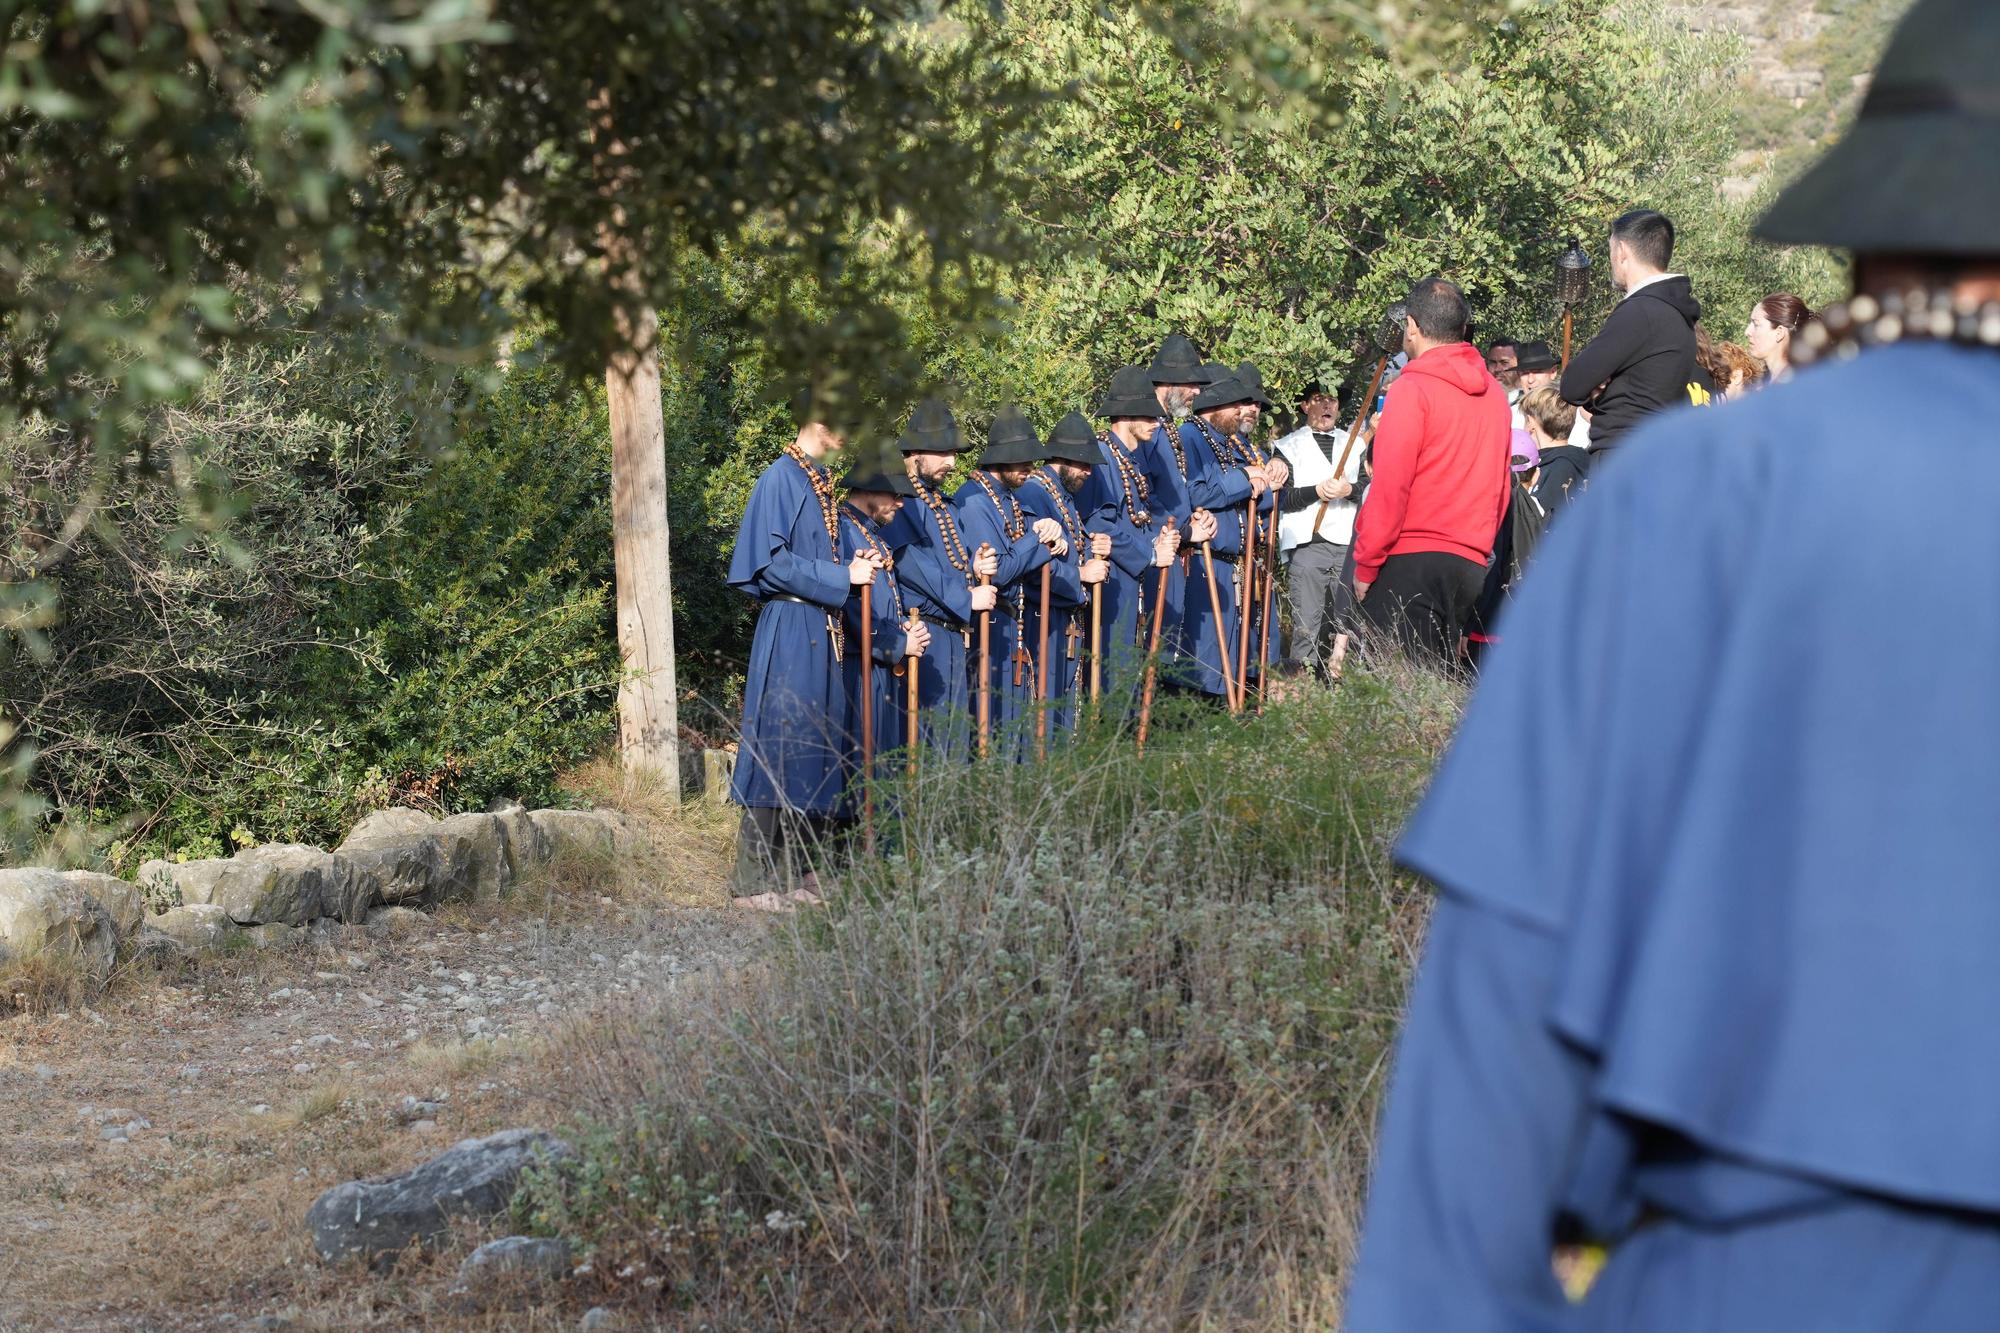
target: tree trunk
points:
(648, 731)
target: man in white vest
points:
(1317, 526)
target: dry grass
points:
(1098, 1044)
(456, 1059)
(47, 983)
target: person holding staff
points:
(791, 764)
(1125, 515)
(1221, 485)
(940, 575)
(1317, 522)
(873, 498)
(1054, 492)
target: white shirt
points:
(1310, 466)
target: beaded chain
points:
(1065, 511)
(1214, 438)
(954, 545)
(1844, 330)
(861, 525)
(1134, 481)
(821, 480)
(1174, 438)
(1011, 518)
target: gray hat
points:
(932, 430)
(1177, 362)
(1222, 393)
(1011, 439)
(1919, 170)
(1073, 441)
(1131, 394)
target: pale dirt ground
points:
(198, 1221)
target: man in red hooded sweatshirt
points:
(1425, 531)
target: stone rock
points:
(492, 869)
(527, 848)
(287, 883)
(394, 922)
(588, 835)
(536, 1258)
(123, 901)
(149, 944)
(45, 912)
(472, 1180)
(411, 857)
(599, 1319)
(204, 927)
(275, 935)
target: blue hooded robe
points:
(1061, 641)
(1021, 557)
(941, 593)
(1712, 971)
(1118, 502)
(792, 751)
(1167, 470)
(1219, 483)
(886, 610)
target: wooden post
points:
(1042, 674)
(1360, 415)
(648, 728)
(1567, 319)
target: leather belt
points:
(787, 597)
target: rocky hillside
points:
(1807, 66)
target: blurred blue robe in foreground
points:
(1722, 990)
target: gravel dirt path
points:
(161, 1145)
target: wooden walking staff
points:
(910, 629)
(985, 671)
(1096, 642)
(1215, 609)
(1247, 563)
(1388, 341)
(1153, 652)
(1270, 584)
(867, 716)
(1042, 674)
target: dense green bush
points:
(1098, 1043)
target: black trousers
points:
(1422, 601)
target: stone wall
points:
(269, 896)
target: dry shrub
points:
(1095, 1043)
(47, 982)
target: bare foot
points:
(766, 902)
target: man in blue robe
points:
(790, 762)
(991, 515)
(1222, 482)
(1142, 538)
(1737, 1020)
(940, 574)
(874, 496)
(1177, 374)
(1052, 492)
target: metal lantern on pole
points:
(1572, 285)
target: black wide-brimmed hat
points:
(1252, 379)
(1073, 441)
(1131, 394)
(873, 476)
(1312, 389)
(1011, 439)
(1919, 170)
(1222, 393)
(1208, 372)
(1534, 356)
(932, 430)
(1177, 361)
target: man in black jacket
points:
(1643, 357)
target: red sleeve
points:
(1383, 509)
